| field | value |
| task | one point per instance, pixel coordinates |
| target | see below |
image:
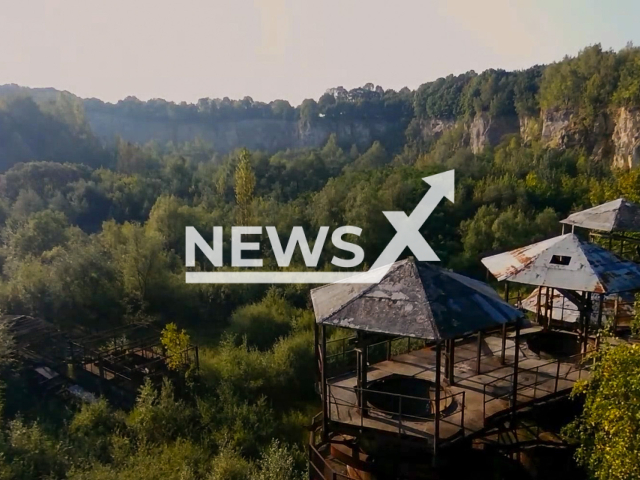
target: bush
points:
(262, 323)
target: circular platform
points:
(552, 344)
(405, 395)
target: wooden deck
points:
(470, 402)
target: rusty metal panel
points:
(619, 215)
(414, 299)
(566, 262)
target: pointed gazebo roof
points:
(414, 299)
(619, 215)
(566, 262)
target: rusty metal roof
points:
(566, 262)
(414, 299)
(565, 310)
(619, 215)
(27, 331)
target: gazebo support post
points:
(516, 359)
(479, 353)
(447, 360)
(323, 386)
(587, 320)
(436, 434)
(504, 327)
(599, 325)
(581, 309)
(452, 349)
(364, 358)
(538, 305)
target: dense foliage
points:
(95, 239)
(609, 426)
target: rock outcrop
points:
(433, 128)
(626, 138)
(486, 130)
(557, 129)
(259, 134)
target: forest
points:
(92, 237)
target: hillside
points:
(44, 124)
(590, 102)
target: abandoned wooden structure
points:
(113, 363)
(42, 351)
(116, 362)
(612, 225)
(426, 368)
(582, 272)
(615, 226)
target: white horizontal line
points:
(287, 277)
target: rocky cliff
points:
(485, 130)
(613, 136)
(626, 138)
(261, 134)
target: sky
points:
(183, 50)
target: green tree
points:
(609, 426)
(245, 184)
(175, 343)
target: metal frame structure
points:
(417, 305)
(572, 267)
(113, 362)
(121, 358)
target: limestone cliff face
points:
(626, 138)
(434, 127)
(563, 129)
(558, 129)
(261, 134)
(486, 130)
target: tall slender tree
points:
(245, 184)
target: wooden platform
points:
(486, 395)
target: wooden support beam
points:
(587, 321)
(323, 381)
(599, 325)
(364, 356)
(516, 360)
(447, 359)
(479, 354)
(503, 352)
(436, 434)
(452, 361)
(538, 306)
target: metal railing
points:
(341, 356)
(542, 380)
(456, 408)
(319, 467)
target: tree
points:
(175, 343)
(608, 429)
(43, 231)
(245, 183)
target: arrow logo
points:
(407, 235)
(408, 228)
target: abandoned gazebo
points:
(580, 275)
(430, 362)
(612, 224)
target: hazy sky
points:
(292, 49)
